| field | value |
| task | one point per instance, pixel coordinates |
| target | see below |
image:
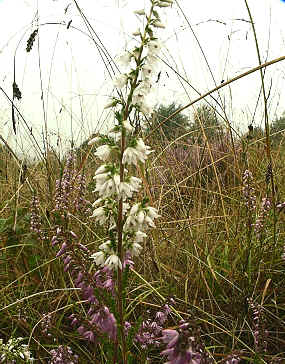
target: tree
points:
(207, 117)
(172, 128)
(278, 126)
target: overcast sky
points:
(75, 82)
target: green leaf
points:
(2, 225)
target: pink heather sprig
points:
(35, 222)
(260, 334)
(150, 331)
(248, 191)
(46, 324)
(64, 185)
(183, 347)
(81, 204)
(232, 359)
(264, 210)
(63, 355)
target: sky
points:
(65, 84)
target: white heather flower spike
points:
(113, 182)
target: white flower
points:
(109, 104)
(154, 47)
(114, 135)
(121, 80)
(103, 152)
(134, 154)
(97, 202)
(164, 5)
(140, 219)
(94, 140)
(147, 71)
(152, 61)
(135, 249)
(126, 207)
(106, 247)
(107, 184)
(134, 209)
(126, 124)
(139, 236)
(158, 24)
(142, 147)
(139, 12)
(142, 98)
(100, 170)
(113, 262)
(135, 183)
(125, 59)
(137, 33)
(125, 190)
(101, 177)
(130, 156)
(99, 258)
(99, 213)
(152, 212)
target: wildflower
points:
(135, 249)
(113, 261)
(103, 152)
(139, 12)
(248, 191)
(165, 4)
(153, 47)
(94, 140)
(137, 33)
(127, 126)
(140, 218)
(63, 355)
(158, 24)
(125, 59)
(109, 105)
(137, 153)
(139, 236)
(127, 189)
(99, 258)
(100, 215)
(121, 80)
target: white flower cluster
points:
(120, 148)
(13, 350)
(142, 67)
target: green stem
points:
(126, 113)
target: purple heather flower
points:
(248, 191)
(63, 355)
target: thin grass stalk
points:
(266, 127)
